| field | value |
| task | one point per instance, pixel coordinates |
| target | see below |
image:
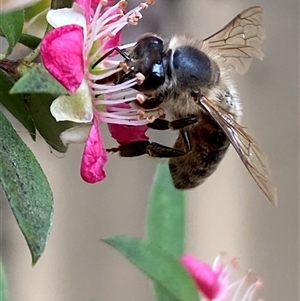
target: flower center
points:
(112, 99)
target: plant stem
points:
(26, 60)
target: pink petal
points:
(62, 55)
(95, 3)
(86, 6)
(124, 133)
(94, 156)
(208, 281)
(111, 2)
(111, 42)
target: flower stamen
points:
(123, 4)
(151, 118)
(140, 78)
(140, 98)
(134, 18)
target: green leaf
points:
(157, 264)
(15, 104)
(48, 127)
(38, 80)
(34, 10)
(11, 26)
(165, 221)
(30, 41)
(3, 284)
(26, 188)
(166, 212)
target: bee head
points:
(147, 59)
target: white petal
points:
(67, 16)
(37, 25)
(76, 107)
(78, 134)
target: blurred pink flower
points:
(81, 35)
(215, 282)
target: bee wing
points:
(239, 41)
(247, 148)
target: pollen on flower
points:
(134, 18)
(161, 113)
(124, 66)
(123, 4)
(111, 34)
(140, 98)
(151, 118)
(141, 114)
(235, 262)
(140, 78)
(150, 2)
(144, 5)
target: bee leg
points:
(186, 140)
(143, 147)
(153, 149)
(122, 53)
(163, 124)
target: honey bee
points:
(191, 80)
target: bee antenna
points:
(122, 53)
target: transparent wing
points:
(252, 156)
(240, 40)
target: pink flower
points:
(215, 282)
(94, 156)
(81, 35)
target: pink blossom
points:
(94, 156)
(209, 281)
(81, 35)
(59, 65)
(124, 133)
(215, 282)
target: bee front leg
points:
(143, 147)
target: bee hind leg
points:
(153, 149)
(143, 147)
